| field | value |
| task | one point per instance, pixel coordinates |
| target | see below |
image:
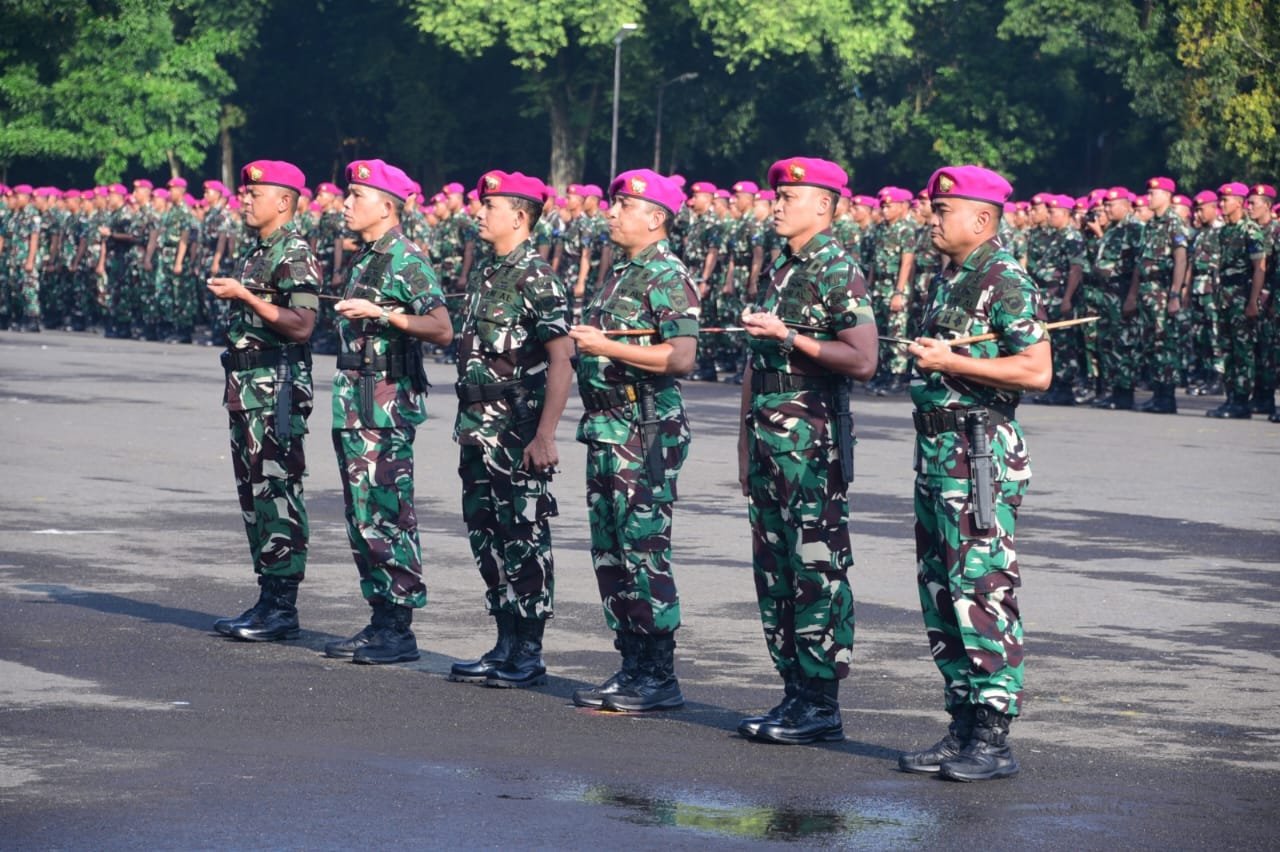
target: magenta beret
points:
(316, 207)
(808, 171)
(1164, 183)
(1235, 188)
(590, 189)
(233, 203)
(891, 194)
(179, 182)
(1009, 207)
(651, 186)
(746, 186)
(866, 200)
(1182, 199)
(305, 193)
(1265, 190)
(561, 201)
(119, 189)
(275, 173)
(331, 188)
(973, 183)
(1206, 196)
(143, 183)
(454, 186)
(162, 193)
(46, 192)
(703, 186)
(767, 195)
(71, 193)
(1119, 193)
(22, 189)
(679, 179)
(382, 176)
(723, 193)
(846, 192)
(218, 187)
(472, 195)
(516, 184)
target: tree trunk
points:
(566, 155)
(228, 160)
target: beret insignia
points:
(255, 173)
(945, 183)
(1153, 183)
(796, 171)
(492, 182)
(1259, 190)
(1113, 194)
(362, 171)
(638, 186)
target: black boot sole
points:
(266, 636)
(384, 661)
(833, 736)
(1003, 772)
(524, 683)
(622, 705)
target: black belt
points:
(941, 420)
(252, 359)
(470, 394)
(395, 363)
(773, 381)
(599, 400)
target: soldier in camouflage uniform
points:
(1058, 274)
(1155, 294)
(326, 237)
(89, 285)
(269, 396)
(215, 246)
(699, 256)
(637, 439)
(392, 301)
(514, 373)
(1111, 270)
(27, 245)
(890, 291)
(1242, 276)
(1202, 284)
(924, 263)
(966, 503)
(6, 245)
(744, 253)
(1261, 197)
(55, 291)
(795, 452)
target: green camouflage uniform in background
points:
(375, 457)
(1111, 274)
(928, 260)
(1158, 343)
(27, 281)
(269, 468)
(699, 233)
(7, 217)
(1268, 336)
(141, 288)
(967, 577)
(1240, 244)
(1205, 347)
(799, 506)
(515, 305)
(55, 294)
(217, 226)
(165, 283)
(888, 241)
(630, 516)
(1063, 249)
(90, 297)
(743, 236)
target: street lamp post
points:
(623, 31)
(657, 125)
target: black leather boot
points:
(525, 666)
(477, 670)
(706, 371)
(1235, 408)
(750, 726)
(1121, 399)
(1163, 401)
(987, 754)
(379, 617)
(279, 619)
(393, 642)
(630, 646)
(226, 625)
(929, 761)
(813, 716)
(655, 686)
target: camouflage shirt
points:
(515, 305)
(697, 241)
(1239, 245)
(820, 286)
(1205, 257)
(988, 292)
(888, 242)
(1117, 252)
(390, 269)
(26, 222)
(1063, 249)
(651, 290)
(1271, 245)
(282, 262)
(742, 236)
(1161, 237)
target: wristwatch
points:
(384, 319)
(788, 343)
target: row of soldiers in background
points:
(1170, 278)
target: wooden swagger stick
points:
(982, 338)
(646, 332)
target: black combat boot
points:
(929, 761)
(379, 617)
(1235, 408)
(1121, 399)
(987, 754)
(525, 666)
(1263, 400)
(706, 371)
(477, 670)
(812, 716)
(1212, 385)
(393, 642)
(279, 619)
(1163, 401)
(226, 625)
(750, 726)
(630, 646)
(655, 686)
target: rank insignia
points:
(796, 171)
(255, 173)
(362, 171)
(638, 186)
(945, 183)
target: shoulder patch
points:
(1013, 302)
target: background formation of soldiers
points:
(1184, 288)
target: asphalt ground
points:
(1149, 554)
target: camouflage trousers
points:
(376, 469)
(631, 537)
(29, 292)
(506, 511)
(269, 485)
(121, 295)
(733, 347)
(1239, 335)
(1158, 347)
(1117, 341)
(967, 581)
(1205, 343)
(801, 556)
(1064, 342)
(55, 296)
(1090, 346)
(921, 298)
(1265, 351)
(893, 358)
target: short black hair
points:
(532, 210)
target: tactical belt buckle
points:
(630, 392)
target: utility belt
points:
(397, 363)
(942, 420)
(253, 359)
(469, 393)
(775, 381)
(612, 397)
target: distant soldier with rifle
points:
(972, 470)
(514, 374)
(268, 395)
(795, 451)
(637, 438)
(391, 302)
